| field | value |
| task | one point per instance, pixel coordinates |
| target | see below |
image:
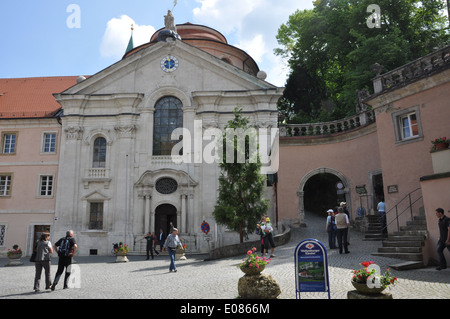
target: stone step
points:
(417, 222)
(402, 243)
(405, 237)
(393, 249)
(407, 265)
(413, 227)
(403, 256)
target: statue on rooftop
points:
(170, 30)
(169, 21)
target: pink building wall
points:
(436, 194)
(25, 208)
(403, 164)
(352, 156)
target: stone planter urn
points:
(14, 260)
(180, 254)
(252, 271)
(366, 290)
(259, 286)
(121, 257)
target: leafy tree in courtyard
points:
(331, 50)
(240, 204)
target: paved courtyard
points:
(102, 278)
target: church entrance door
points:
(165, 214)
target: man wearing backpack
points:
(66, 247)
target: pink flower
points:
(249, 252)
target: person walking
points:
(154, 244)
(162, 238)
(444, 237)
(171, 243)
(381, 208)
(331, 229)
(261, 233)
(149, 248)
(268, 238)
(342, 224)
(43, 260)
(344, 207)
(66, 248)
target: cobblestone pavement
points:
(102, 278)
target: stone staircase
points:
(374, 230)
(406, 244)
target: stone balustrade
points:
(326, 128)
(412, 71)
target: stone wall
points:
(242, 248)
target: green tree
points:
(332, 46)
(240, 203)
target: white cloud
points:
(224, 15)
(252, 25)
(255, 47)
(117, 35)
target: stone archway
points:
(301, 192)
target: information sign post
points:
(311, 267)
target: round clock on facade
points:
(169, 63)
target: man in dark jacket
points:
(65, 247)
(444, 237)
(149, 238)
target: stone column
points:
(301, 208)
(147, 221)
(183, 213)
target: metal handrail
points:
(409, 207)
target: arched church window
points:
(99, 155)
(168, 116)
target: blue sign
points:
(311, 267)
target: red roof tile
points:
(32, 97)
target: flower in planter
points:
(253, 260)
(440, 140)
(370, 275)
(15, 251)
(122, 248)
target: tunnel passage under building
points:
(322, 192)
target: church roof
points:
(32, 97)
(209, 40)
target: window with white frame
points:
(5, 185)
(407, 126)
(9, 143)
(46, 185)
(49, 142)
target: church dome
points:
(195, 31)
(210, 41)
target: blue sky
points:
(53, 38)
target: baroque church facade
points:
(117, 176)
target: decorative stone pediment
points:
(149, 179)
(95, 196)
